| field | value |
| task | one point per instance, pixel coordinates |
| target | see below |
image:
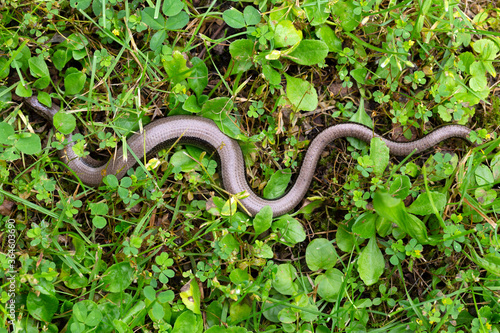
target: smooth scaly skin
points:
(197, 130)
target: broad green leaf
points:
(45, 98)
(239, 276)
(60, 59)
(272, 310)
(383, 226)
(285, 34)
(148, 17)
(291, 229)
(241, 51)
(301, 94)
(252, 15)
(484, 176)
(284, 281)
(327, 35)
(184, 161)
(172, 7)
(371, 263)
(80, 4)
(263, 220)
(177, 22)
(198, 79)
(38, 67)
(467, 59)
(176, 68)
(29, 143)
(400, 186)
(359, 74)
(238, 311)
(316, 11)
(394, 210)
(157, 39)
(191, 105)
(42, 307)
(271, 75)
(343, 12)
(309, 52)
(191, 296)
(23, 91)
(64, 122)
(6, 130)
(4, 68)
(329, 284)
(118, 277)
(234, 18)
(364, 226)
(489, 262)
(422, 205)
(379, 153)
(277, 185)
(188, 322)
(345, 239)
(218, 109)
(74, 83)
(99, 222)
(320, 254)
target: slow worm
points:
(204, 132)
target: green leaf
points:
(345, 239)
(147, 16)
(284, 279)
(327, 35)
(277, 185)
(80, 4)
(238, 311)
(29, 143)
(157, 39)
(239, 276)
(45, 98)
(60, 59)
(234, 18)
(184, 161)
(394, 210)
(484, 176)
(263, 220)
(291, 229)
(320, 254)
(371, 263)
(38, 67)
(4, 68)
(309, 52)
(190, 295)
(218, 110)
(176, 68)
(400, 186)
(359, 74)
(379, 154)
(64, 122)
(285, 34)
(23, 91)
(329, 284)
(177, 22)
(271, 75)
(252, 15)
(188, 322)
(422, 205)
(316, 11)
(364, 226)
(172, 7)
(74, 83)
(118, 277)
(191, 105)
(6, 130)
(198, 79)
(42, 307)
(99, 222)
(343, 11)
(301, 94)
(241, 51)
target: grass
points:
(379, 244)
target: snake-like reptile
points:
(204, 132)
